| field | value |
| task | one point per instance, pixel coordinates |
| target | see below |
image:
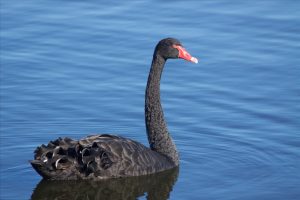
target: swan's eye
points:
(176, 46)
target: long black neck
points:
(158, 135)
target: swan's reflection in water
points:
(155, 186)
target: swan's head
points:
(172, 48)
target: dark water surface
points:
(72, 68)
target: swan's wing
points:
(97, 157)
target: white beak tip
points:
(194, 60)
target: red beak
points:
(184, 54)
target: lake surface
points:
(73, 68)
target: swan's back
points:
(97, 157)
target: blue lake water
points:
(73, 68)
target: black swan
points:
(109, 156)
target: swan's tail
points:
(67, 159)
(57, 160)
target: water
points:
(72, 68)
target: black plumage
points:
(108, 156)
